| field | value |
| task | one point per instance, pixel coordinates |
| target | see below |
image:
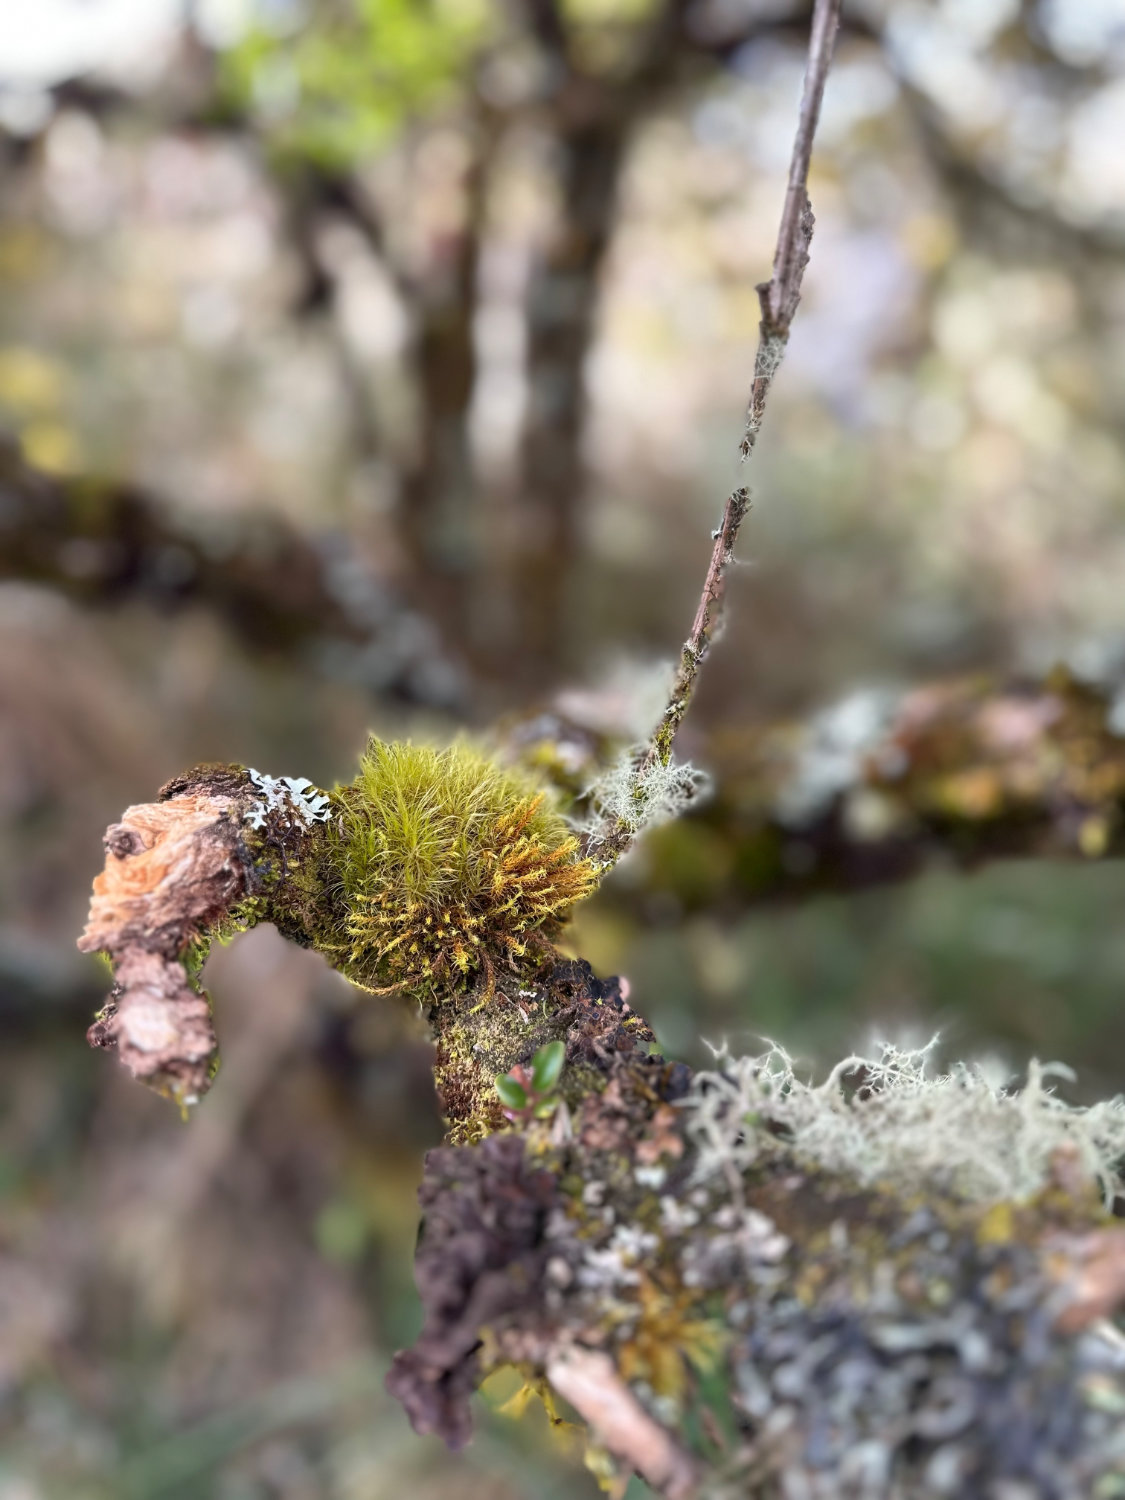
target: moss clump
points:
(448, 866)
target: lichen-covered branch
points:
(618, 824)
(888, 1284)
(882, 784)
(736, 1311)
(876, 787)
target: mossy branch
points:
(103, 542)
(883, 784)
(753, 1287)
(740, 1281)
(435, 875)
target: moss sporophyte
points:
(436, 869)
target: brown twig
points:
(590, 1381)
(782, 292)
(778, 298)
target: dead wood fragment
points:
(1091, 1273)
(589, 1380)
(173, 870)
(480, 1263)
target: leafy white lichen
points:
(293, 797)
(886, 1120)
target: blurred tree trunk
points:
(590, 120)
(589, 147)
(437, 495)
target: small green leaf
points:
(545, 1108)
(511, 1091)
(546, 1066)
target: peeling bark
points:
(174, 869)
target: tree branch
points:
(101, 541)
(783, 291)
(880, 786)
(778, 298)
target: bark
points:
(174, 869)
(437, 498)
(590, 139)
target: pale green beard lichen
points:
(896, 1126)
(633, 796)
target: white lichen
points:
(886, 1120)
(294, 798)
(829, 757)
(617, 1263)
(740, 1242)
(635, 796)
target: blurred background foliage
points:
(379, 364)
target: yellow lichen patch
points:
(997, 1226)
(450, 866)
(667, 1339)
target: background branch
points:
(102, 542)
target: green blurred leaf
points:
(546, 1066)
(344, 84)
(512, 1093)
(342, 1231)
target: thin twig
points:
(778, 298)
(783, 291)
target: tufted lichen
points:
(887, 1120)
